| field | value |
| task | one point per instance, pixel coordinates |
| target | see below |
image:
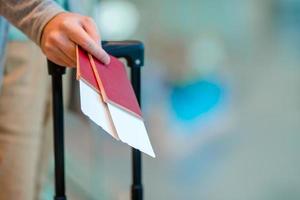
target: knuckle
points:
(53, 39)
(88, 20)
(64, 24)
(47, 46)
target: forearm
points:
(30, 16)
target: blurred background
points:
(221, 100)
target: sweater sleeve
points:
(30, 16)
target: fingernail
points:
(104, 57)
(107, 59)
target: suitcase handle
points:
(131, 50)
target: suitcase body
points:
(133, 52)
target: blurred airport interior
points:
(221, 98)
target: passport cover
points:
(108, 99)
(115, 86)
(84, 69)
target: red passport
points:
(84, 69)
(110, 80)
(108, 99)
(115, 86)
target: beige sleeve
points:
(30, 16)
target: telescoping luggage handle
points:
(133, 52)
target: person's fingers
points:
(58, 48)
(67, 28)
(70, 62)
(59, 57)
(67, 47)
(91, 28)
(81, 37)
(92, 47)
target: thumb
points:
(90, 27)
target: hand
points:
(64, 31)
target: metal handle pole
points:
(58, 127)
(137, 186)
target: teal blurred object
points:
(191, 101)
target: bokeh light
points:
(118, 19)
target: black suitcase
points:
(133, 52)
